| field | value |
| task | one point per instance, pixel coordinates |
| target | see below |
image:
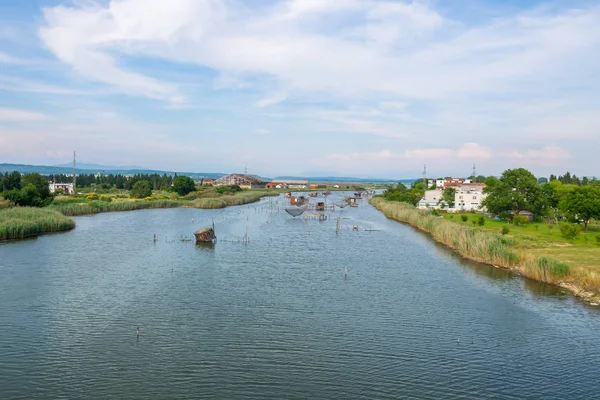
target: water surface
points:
(276, 318)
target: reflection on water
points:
(277, 317)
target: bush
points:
(505, 230)
(481, 220)
(228, 189)
(183, 185)
(570, 231)
(148, 198)
(92, 196)
(103, 197)
(464, 218)
(519, 220)
(141, 189)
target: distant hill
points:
(89, 168)
(345, 179)
(100, 167)
(47, 170)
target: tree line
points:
(25, 190)
(118, 181)
(564, 198)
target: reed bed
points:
(229, 200)
(24, 222)
(487, 247)
(98, 206)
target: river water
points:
(276, 318)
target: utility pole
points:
(474, 174)
(425, 175)
(245, 170)
(74, 174)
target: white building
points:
(67, 187)
(432, 199)
(469, 197)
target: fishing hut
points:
(320, 206)
(205, 235)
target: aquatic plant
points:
(24, 222)
(473, 243)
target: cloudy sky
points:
(369, 88)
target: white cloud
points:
(15, 115)
(274, 99)
(470, 151)
(549, 155)
(262, 131)
(8, 59)
(378, 46)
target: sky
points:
(365, 88)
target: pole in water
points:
(137, 331)
(345, 272)
(155, 237)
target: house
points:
(432, 199)
(242, 180)
(66, 187)
(469, 197)
(208, 181)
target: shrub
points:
(148, 198)
(183, 185)
(141, 189)
(464, 218)
(570, 231)
(481, 220)
(92, 196)
(505, 230)
(550, 227)
(474, 222)
(103, 197)
(519, 220)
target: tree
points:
(10, 181)
(448, 196)
(515, 191)
(480, 179)
(183, 185)
(33, 191)
(542, 180)
(582, 204)
(39, 182)
(141, 189)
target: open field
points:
(537, 253)
(24, 222)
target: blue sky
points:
(369, 88)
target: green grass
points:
(24, 222)
(532, 234)
(97, 206)
(537, 253)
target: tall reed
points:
(24, 222)
(98, 206)
(473, 243)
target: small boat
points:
(205, 235)
(294, 211)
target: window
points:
(474, 197)
(460, 197)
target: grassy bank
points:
(487, 246)
(206, 199)
(24, 222)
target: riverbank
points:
(492, 248)
(26, 222)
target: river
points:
(276, 318)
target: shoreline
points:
(520, 266)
